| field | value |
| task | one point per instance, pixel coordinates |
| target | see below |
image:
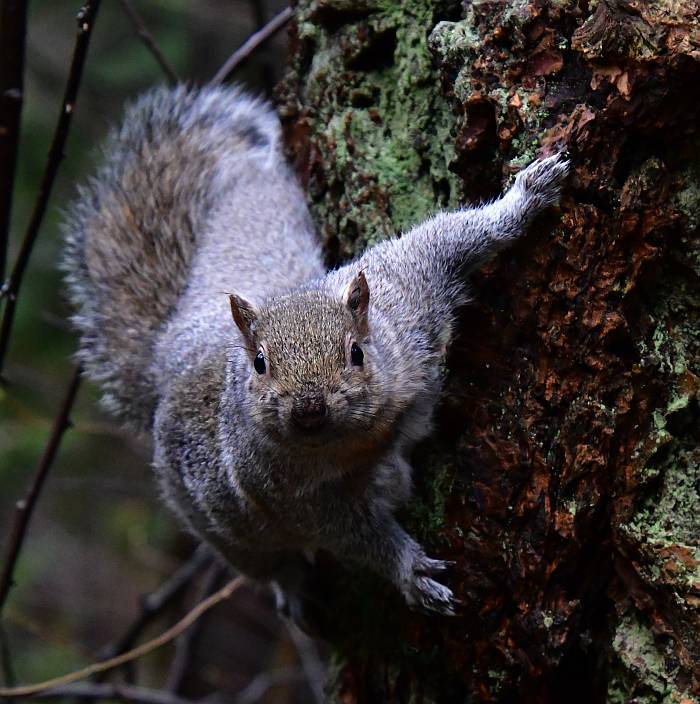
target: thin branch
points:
(260, 684)
(310, 662)
(141, 650)
(147, 38)
(153, 605)
(184, 646)
(13, 33)
(122, 692)
(25, 507)
(253, 692)
(86, 21)
(8, 669)
(251, 44)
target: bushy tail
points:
(130, 236)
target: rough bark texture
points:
(564, 477)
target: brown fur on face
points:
(306, 338)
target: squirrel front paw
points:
(423, 593)
(543, 180)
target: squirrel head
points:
(314, 375)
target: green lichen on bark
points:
(663, 530)
(381, 129)
(687, 198)
(647, 670)
(563, 476)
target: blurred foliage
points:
(99, 538)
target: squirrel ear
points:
(244, 316)
(356, 298)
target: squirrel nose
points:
(309, 412)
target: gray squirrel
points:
(287, 429)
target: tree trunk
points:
(564, 474)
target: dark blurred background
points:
(100, 539)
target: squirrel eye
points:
(259, 363)
(357, 356)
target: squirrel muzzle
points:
(309, 412)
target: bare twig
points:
(13, 32)
(147, 38)
(184, 645)
(311, 663)
(261, 683)
(121, 692)
(8, 670)
(252, 693)
(155, 603)
(141, 650)
(86, 21)
(251, 44)
(25, 507)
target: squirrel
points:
(282, 414)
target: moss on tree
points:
(563, 478)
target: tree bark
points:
(564, 474)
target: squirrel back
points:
(132, 234)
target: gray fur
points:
(132, 233)
(194, 202)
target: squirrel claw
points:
(544, 179)
(425, 594)
(429, 566)
(429, 596)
